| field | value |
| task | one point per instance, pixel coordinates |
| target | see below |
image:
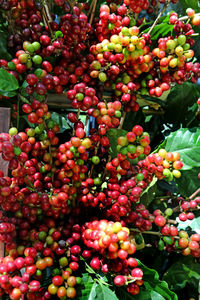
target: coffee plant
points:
(102, 198)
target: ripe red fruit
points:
(119, 280)
(160, 221)
(95, 263)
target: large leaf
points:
(187, 143)
(183, 272)
(4, 54)
(152, 283)
(189, 182)
(181, 105)
(8, 83)
(104, 293)
(88, 287)
(153, 289)
(113, 135)
(149, 193)
(190, 3)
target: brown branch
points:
(47, 17)
(153, 112)
(93, 11)
(159, 15)
(194, 194)
(122, 120)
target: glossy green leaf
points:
(187, 143)
(183, 272)
(149, 193)
(88, 287)
(104, 293)
(152, 282)
(181, 105)
(8, 83)
(190, 3)
(189, 182)
(4, 54)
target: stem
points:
(186, 17)
(86, 123)
(172, 222)
(153, 112)
(146, 232)
(93, 11)
(78, 114)
(194, 194)
(157, 233)
(195, 34)
(158, 17)
(122, 120)
(47, 16)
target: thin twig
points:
(157, 233)
(78, 113)
(93, 12)
(194, 194)
(153, 112)
(122, 120)
(158, 17)
(187, 17)
(47, 17)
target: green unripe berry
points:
(168, 212)
(79, 96)
(30, 48)
(37, 59)
(11, 65)
(143, 83)
(171, 44)
(42, 235)
(13, 131)
(161, 245)
(59, 34)
(36, 45)
(186, 47)
(111, 26)
(166, 172)
(31, 132)
(168, 240)
(63, 261)
(95, 160)
(131, 148)
(118, 114)
(49, 240)
(124, 151)
(181, 39)
(80, 162)
(125, 31)
(140, 177)
(102, 76)
(97, 181)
